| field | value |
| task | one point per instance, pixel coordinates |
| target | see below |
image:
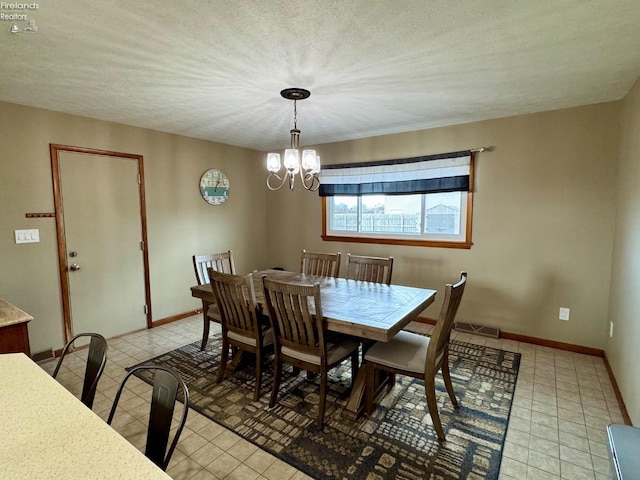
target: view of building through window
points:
(432, 214)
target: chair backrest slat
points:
(165, 390)
(369, 269)
(220, 262)
(96, 361)
(320, 264)
(237, 308)
(442, 331)
(166, 385)
(296, 315)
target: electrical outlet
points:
(610, 329)
(564, 313)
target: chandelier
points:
(308, 168)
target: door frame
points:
(54, 150)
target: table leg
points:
(355, 405)
(236, 360)
(205, 330)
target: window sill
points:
(396, 241)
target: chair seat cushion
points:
(267, 337)
(213, 313)
(406, 351)
(335, 352)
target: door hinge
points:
(142, 245)
(145, 309)
(139, 180)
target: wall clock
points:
(214, 187)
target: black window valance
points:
(444, 172)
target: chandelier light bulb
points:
(291, 162)
(308, 159)
(273, 162)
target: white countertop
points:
(47, 433)
(10, 315)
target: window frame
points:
(413, 242)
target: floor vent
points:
(42, 356)
(492, 332)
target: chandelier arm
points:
(310, 181)
(282, 180)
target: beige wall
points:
(623, 350)
(180, 222)
(543, 228)
(543, 221)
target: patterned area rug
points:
(396, 442)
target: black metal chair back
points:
(96, 361)
(166, 385)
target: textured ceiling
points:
(214, 69)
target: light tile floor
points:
(562, 405)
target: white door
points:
(103, 233)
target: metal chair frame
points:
(96, 361)
(163, 400)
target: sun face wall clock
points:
(214, 187)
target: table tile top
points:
(368, 310)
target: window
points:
(419, 201)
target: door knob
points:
(74, 267)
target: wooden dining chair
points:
(96, 361)
(369, 269)
(220, 262)
(419, 356)
(301, 338)
(321, 264)
(243, 326)
(167, 384)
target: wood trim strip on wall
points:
(616, 390)
(40, 215)
(543, 342)
(175, 318)
(157, 323)
(145, 240)
(596, 352)
(62, 244)
(395, 241)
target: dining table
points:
(47, 433)
(370, 311)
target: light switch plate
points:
(564, 313)
(27, 236)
